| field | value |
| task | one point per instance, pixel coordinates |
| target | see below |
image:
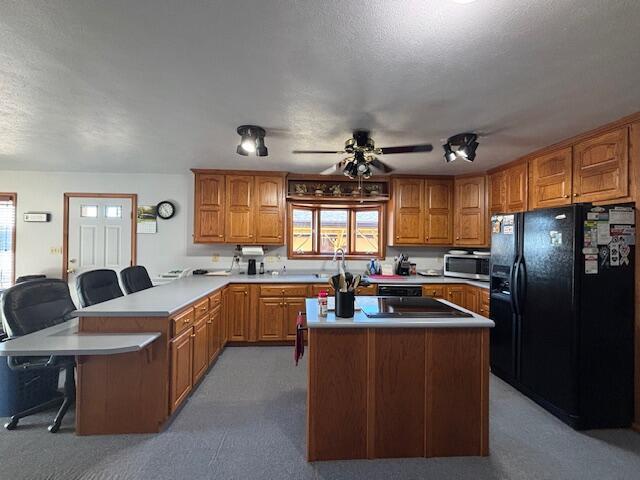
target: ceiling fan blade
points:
(426, 147)
(317, 151)
(380, 165)
(337, 168)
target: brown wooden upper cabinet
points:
(209, 211)
(601, 167)
(269, 210)
(551, 179)
(408, 211)
(439, 211)
(422, 210)
(239, 209)
(497, 192)
(470, 211)
(508, 189)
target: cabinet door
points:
(600, 167)
(270, 318)
(439, 212)
(213, 334)
(269, 210)
(516, 183)
(200, 349)
(239, 209)
(292, 305)
(238, 313)
(484, 302)
(181, 371)
(497, 192)
(209, 208)
(550, 179)
(434, 291)
(224, 312)
(471, 219)
(408, 211)
(456, 294)
(472, 298)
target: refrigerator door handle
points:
(522, 286)
(515, 286)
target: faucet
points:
(342, 266)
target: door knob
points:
(70, 270)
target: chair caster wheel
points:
(54, 427)
(11, 424)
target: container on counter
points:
(323, 306)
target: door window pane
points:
(367, 231)
(113, 211)
(302, 231)
(334, 230)
(90, 211)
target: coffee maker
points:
(251, 269)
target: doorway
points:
(99, 232)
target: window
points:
(90, 211)
(7, 238)
(317, 231)
(113, 211)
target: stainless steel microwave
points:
(474, 267)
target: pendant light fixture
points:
(252, 141)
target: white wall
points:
(171, 247)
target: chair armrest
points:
(43, 362)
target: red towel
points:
(298, 352)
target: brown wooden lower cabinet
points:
(237, 305)
(200, 348)
(396, 392)
(270, 318)
(472, 298)
(292, 306)
(213, 334)
(181, 349)
(484, 303)
(435, 291)
(455, 294)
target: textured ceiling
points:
(160, 85)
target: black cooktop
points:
(412, 307)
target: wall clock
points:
(166, 209)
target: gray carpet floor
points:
(247, 421)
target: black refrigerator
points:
(562, 299)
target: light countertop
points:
(64, 339)
(166, 299)
(360, 320)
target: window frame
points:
(352, 208)
(13, 198)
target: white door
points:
(99, 235)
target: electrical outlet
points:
(215, 258)
(269, 259)
(55, 250)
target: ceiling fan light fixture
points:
(252, 140)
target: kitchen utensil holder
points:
(345, 304)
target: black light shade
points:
(462, 146)
(252, 141)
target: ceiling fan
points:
(362, 151)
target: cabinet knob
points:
(246, 293)
(457, 238)
(209, 322)
(565, 196)
(251, 235)
(575, 194)
(192, 335)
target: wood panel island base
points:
(378, 392)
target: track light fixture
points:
(462, 146)
(252, 141)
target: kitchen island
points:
(390, 387)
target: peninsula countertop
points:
(169, 298)
(360, 320)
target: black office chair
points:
(27, 308)
(135, 278)
(97, 286)
(28, 278)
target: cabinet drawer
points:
(435, 291)
(202, 308)
(316, 289)
(183, 321)
(215, 300)
(283, 290)
(368, 290)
